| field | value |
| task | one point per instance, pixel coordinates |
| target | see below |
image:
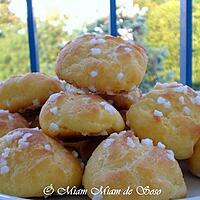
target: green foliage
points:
(51, 38)
(13, 45)
(163, 26)
(163, 31)
(6, 17)
(14, 49)
(14, 54)
(157, 30)
(196, 44)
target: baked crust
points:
(10, 121)
(169, 113)
(102, 63)
(68, 115)
(122, 161)
(30, 161)
(28, 91)
(124, 101)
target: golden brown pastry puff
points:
(194, 161)
(69, 88)
(122, 161)
(169, 113)
(11, 121)
(102, 63)
(124, 101)
(28, 91)
(66, 114)
(30, 161)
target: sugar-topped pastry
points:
(123, 101)
(102, 63)
(194, 161)
(68, 115)
(10, 121)
(29, 91)
(69, 88)
(168, 113)
(122, 161)
(31, 161)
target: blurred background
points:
(153, 23)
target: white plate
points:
(192, 182)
